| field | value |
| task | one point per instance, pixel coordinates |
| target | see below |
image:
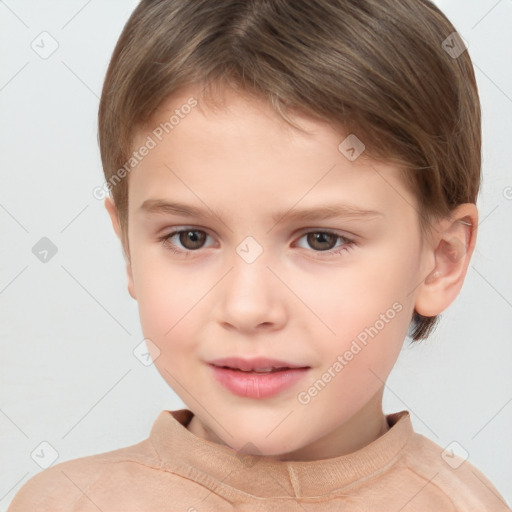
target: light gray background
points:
(68, 327)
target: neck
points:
(367, 425)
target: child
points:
(327, 155)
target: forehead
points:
(240, 153)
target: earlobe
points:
(452, 252)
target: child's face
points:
(293, 302)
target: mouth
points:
(255, 365)
(257, 378)
(262, 371)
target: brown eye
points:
(192, 239)
(322, 241)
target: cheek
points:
(167, 299)
(364, 313)
(347, 301)
(167, 319)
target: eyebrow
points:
(322, 212)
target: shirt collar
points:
(195, 458)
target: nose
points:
(251, 296)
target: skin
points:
(293, 302)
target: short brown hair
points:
(377, 68)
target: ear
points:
(114, 217)
(453, 242)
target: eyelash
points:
(348, 245)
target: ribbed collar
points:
(220, 467)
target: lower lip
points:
(257, 385)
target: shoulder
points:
(453, 477)
(61, 486)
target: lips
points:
(257, 364)
(257, 378)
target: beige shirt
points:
(175, 470)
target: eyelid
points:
(316, 229)
(349, 241)
(342, 233)
(176, 230)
